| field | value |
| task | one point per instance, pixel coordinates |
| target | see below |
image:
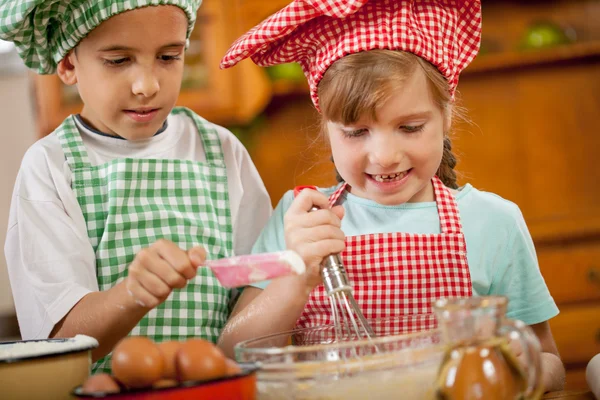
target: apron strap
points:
(447, 208)
(446, 205)
(208, 135)
(72, 144)
(77, 156)
(334, 197)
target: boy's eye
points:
(115, 62)
(412, 128)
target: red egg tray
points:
(236, 387)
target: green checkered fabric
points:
(44, 31)
(128, 204)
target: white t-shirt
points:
(51, 263)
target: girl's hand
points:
(160, 268)
(517, 351)
(313, 234)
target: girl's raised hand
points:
(313, 234)
(160, 268)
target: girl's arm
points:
(262, 312)
(553, 371)
(313, 235)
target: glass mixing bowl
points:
(310, 364)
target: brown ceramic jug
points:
(478, 362)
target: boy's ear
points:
(66, 69)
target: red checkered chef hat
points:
(316, 33)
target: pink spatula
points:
(247, 269)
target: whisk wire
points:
(346, 313)
(351, 315)
(361, 318)
(336, 318)
(343, 305)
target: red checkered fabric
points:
(400, 275)
(316, 33)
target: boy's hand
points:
(313, 234)
(160, 268)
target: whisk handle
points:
(334, 274)
(332, 269)
(298, 189)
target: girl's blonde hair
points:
(358, 84)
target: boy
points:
(114, 211)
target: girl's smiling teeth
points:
(390, 177)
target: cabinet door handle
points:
(593, 275)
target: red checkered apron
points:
(399, 275)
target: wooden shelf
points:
(490, 63)
(530, 58)
(287, 88)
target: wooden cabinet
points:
(572, 265)
(233, 96)
(535, 141)
(535, 123)
(255, 11)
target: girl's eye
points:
(170, 58)
(412, 128)
(356, 133)
(116, 62)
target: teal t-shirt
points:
(500, 251)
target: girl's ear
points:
(66, 69)
(448, 118)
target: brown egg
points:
(163, 383)
(198, 359)
(232, 367)
(169, 350)
(101, 383)
(137, 362)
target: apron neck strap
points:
(77, 156)
(208, 135)
(334, 197)
(447, 207)
(72, 144)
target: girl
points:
(114, 211)
(383, 75)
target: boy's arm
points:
(110, 315)
(52, 265)
(107, 316)
(49, 257)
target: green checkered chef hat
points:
(44, 31)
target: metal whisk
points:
(344, 309)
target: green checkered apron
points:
(128, 204)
